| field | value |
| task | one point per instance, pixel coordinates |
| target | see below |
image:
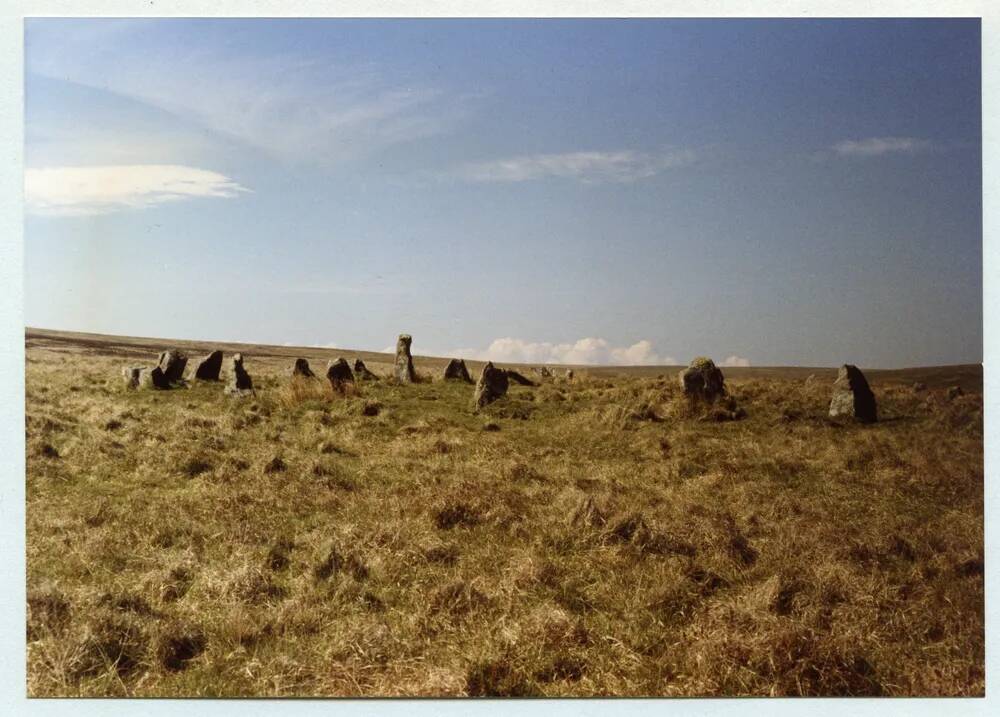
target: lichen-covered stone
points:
(852, 397)
(403, 368)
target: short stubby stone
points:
(362, 373)
(492, 385)
(955, 392)
(209, 368)
(456, 371)
(403, 368)
(519, 378)
(852, 397)
(130, 376)
(153, 378)
(301, 368)
(339, 374)
(702, 380)
(919, 386)
(172, 363)
(240, 383)
(543, 371)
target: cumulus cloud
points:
(736, 361)
(100, 190)
(878, 146)
(584, 351)
(621, 166)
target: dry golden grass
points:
(580, 538)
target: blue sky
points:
(638, 191)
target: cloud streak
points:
(736, 361)
(76, 191)
(586, 351)
(880, 146)
(621, 166)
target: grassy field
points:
(585, 537)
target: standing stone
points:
(569, 374)
(492, 385)
(403, 370)
(339, 374)
(153, 378)
(543, 371)
(131, 374)
(209, 368)
(702, 380)
(456, 371)
(240, 383)
(919, 387)
(852, 397)
(301, 368)
(519, 378)
(172, 363)
(361, 372)
(954, 392)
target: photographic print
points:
(503, 357)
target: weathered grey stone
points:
(130, 375)
(172, 363)
(240, 383)
(153, 378)
(519, 378)
(702, 380)
(456, 371)
(852, 397)
(301, 368)
(403, 369)
(492, 385)
(209, 368)
(361, 372)
(339, 374)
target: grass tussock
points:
(593, 536)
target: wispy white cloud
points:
(589, 350)
(620, 166)
(878, 146)
(70, 191)
(736, 361)
(293, 107)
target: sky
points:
(764, 192)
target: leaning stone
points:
(153, 378)
(131, 374)
(301, 368)
(456, 371)
(240, 383)
(209, 368)
(492, 385)
(361, 372)
(852, 397)
(339, 374)
(172, 363)
(702, 380)
(519, 378)
(403, 369)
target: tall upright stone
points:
(302, 369)
(702, 380)
(492, 385)
(852, 396)
(172, 363)
(130, 375)
(209, 368)
(456, 371)
(361, 372)
(240, 383)
(339, 374)
(403, 368)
